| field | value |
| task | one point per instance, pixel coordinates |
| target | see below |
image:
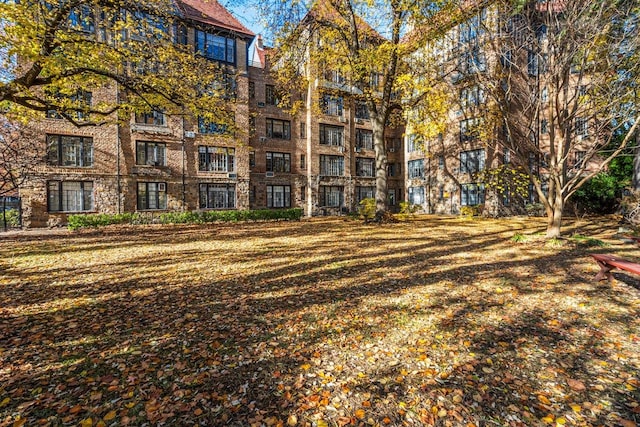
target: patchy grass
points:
(434, 321)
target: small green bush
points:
(75, 222)
(519, 238)
(407, 210)
(12, 216)
(367, 209)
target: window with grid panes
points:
(217, 196)
(216, 159)
(331, 165)
(70, 151)
(278, 162)
(69, 196)
(331, 135)
(151, 153)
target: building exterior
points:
(503, 112)
(155, 163)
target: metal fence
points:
(10, 213)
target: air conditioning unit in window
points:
(261, 104)
(359, 121)
(263, 139)
(232, 175)
(189, 134)
(341, 149)
(392, 150)
(162, 186)
(269, 175)
(357, 149)
(343, 119)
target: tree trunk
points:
(554, 216)
(381, 169)
(636, 164)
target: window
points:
(252, 90)
(217, 196)
(81, 101)
(364, 139)
(544, 126)
(469, 129)
(211, 128)
(252, 125)
(441, 162)
(331, 165)
(224, 86)
(582, 127)
(416, 168)
(365, 193)
(71, 151)
(365, 167)
(252, 159)
(332, 105)
(270, 95)
(303, 161)
(303, 193)
(334, 76)
(70, 196)
(393, 169)
(393, 144)
(331, 195)
(216, 159)
(303, 130)
(472, 28)
(414, 143)
(331, 135)
(506, 156)
(416, 195)
(362, 111)
(392, 197)
(376, 81)
(152, 195)
(472, 96)
(579, 159)
(151, 153)
(280, 129)
(155, 118)
(81, 19)
(181, 34)
(472, 61)
(536, 63)
(278, 196)
(471, 194)
(544, 96)
(216, 47)
(278, 162)
(472, 161)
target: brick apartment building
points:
(155, 163)
(476, 55)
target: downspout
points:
(118, 149)
(184, 160)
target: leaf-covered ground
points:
(438, 321)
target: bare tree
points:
(19, 156)
(557, 82)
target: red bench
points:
(611, 262)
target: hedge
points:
(75, 222)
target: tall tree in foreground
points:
(339, 36)
(558, 82)
(55, 52)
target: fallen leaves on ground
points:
(437, 321)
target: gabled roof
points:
(213, 13)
